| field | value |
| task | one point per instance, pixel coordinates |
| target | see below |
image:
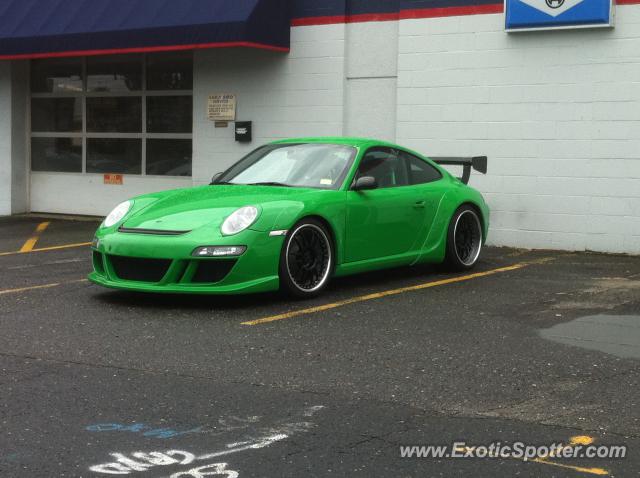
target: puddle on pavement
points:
(613, 334)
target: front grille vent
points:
(153, 232)
(139, 269)
(97, 262)
(214, 270)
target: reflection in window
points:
(313, 165)
(169, 114)
(173, 71)
(114, 155)
(56, 115)
(169, 157)
(115, 74)
(114, 114)
(56, 76)
(56, 154)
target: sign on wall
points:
(115, 179)
(222, 107)
(525, 15)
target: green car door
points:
(393, 218)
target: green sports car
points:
(292, 215)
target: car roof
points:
(338, 140)
(355, 142)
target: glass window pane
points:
(114, 156)
(56, 115)
(169, 157)
(420, 171)
(114, 115)
(56, 154)
(56, 76)
(169, 114)
(385, 166)
(173, 71)
(114, 73)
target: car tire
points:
(464, 239)
(307, 260)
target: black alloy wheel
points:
(464, 239)
(307, 259)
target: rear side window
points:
(420, 172)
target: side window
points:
(420, 172)
(386, 166)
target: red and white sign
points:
(116, 179)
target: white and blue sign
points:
(555, 14)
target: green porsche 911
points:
(292, 215)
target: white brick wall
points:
(558, 114)
(371, 79)
(299, 94)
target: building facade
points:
(556, 112)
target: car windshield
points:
(309, 165)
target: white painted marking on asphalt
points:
(125, 465)
(140, 461)
(215, 469)
(251, 446)
(143, 461)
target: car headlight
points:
(239, 220)
(117, 214)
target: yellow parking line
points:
(378, 295)
(544, 460)
(579, 469)
(43, 286)
(582, 440)
(64, 246)
(44, 249)
(31, 242)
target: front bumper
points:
(120, 260)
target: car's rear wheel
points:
(307, 259)
(464, 239)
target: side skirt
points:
(377, 263)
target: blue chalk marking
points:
(139, 427)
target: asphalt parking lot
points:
(537, 347)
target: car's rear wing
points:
(479, 163)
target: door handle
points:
(419, 204)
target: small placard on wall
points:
(221, 107)
(116, 179)
(243, 131)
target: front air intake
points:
(210, 271)
(139, 269)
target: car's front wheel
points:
(307, 259)
(464, 239)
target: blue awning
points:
(43, 28)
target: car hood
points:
(193, 208)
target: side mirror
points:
(364, 183)
(215, 176)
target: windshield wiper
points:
(270, 183)
(224, 183)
